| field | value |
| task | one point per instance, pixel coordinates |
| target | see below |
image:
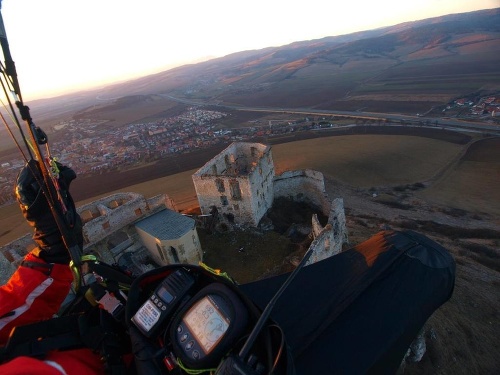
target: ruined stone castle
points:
(238, 182)
(238, 186)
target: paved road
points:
(447, 122)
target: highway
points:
(393, 117)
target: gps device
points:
(160, 306)
(208, 326)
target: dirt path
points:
(453, 162)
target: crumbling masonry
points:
(238, 182)
(241, 185)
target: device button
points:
(184, 337)
(179, 329)
(164, 307)
(189, 345)
(196, 354)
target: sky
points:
(61, 46)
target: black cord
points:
(12, 110)
(14, 138)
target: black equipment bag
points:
(358, 312)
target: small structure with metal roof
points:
(170, 238)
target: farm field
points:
(368, 160)
(472, 184)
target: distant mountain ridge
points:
(406, 67)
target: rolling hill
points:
(427, 61)
(405, 68)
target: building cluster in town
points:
(481, 107)
(143, 141)
(92, 150)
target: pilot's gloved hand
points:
(36, 210)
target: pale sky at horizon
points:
(66, 45)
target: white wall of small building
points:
(187, 247)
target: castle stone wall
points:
(161, 200)
(303, 186)
(127, 207)
(101, 218)
(328, 240)
(323, 245)
(338, 221)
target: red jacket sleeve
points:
(32, 294)
(71, 362)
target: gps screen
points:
(207, 323)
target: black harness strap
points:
(45, 268)
(101, 332)
(96, 330)
(36, 340)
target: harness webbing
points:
(95, 330)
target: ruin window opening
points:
(114, 204)
(138, 212)
(234, 186)
(253, 151)
(214, 169)
(86, 216)
(173, 251)
(223, 200)
(220, 185)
